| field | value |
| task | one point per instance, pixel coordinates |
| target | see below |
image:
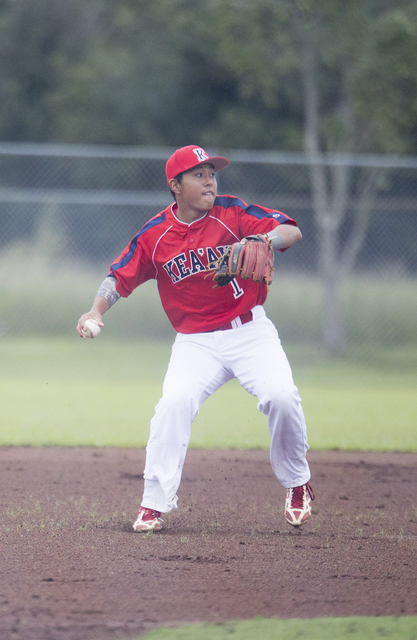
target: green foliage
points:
(391, 68)
(227, 73)
(36, 37)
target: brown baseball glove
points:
(252, 259)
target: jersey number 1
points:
(237, 291)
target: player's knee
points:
(181, 400)
(284, 399)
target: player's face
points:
(198, 188)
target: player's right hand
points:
(94, 315)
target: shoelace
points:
(297, 500)
(150, 514)
(311, 492)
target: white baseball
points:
(91, 328)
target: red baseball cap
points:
(191, 156)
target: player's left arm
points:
(256, 219)
(284, 236)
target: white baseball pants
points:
(200, 364)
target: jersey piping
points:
(156, 246)
(252, 209)
(225, 226)
(134, 242)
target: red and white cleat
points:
(148, 520)
(298, 504)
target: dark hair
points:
(178, 178)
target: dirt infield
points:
(73, 569)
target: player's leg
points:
(194, 373)
(262, 368)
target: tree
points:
(329, 58)
(347, 125)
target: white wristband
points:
(277, 241)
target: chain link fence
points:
(66, 212)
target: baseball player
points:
(222, 331)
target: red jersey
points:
(177, 254)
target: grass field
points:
(103, 393)
(60, 390)
(318, 629)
